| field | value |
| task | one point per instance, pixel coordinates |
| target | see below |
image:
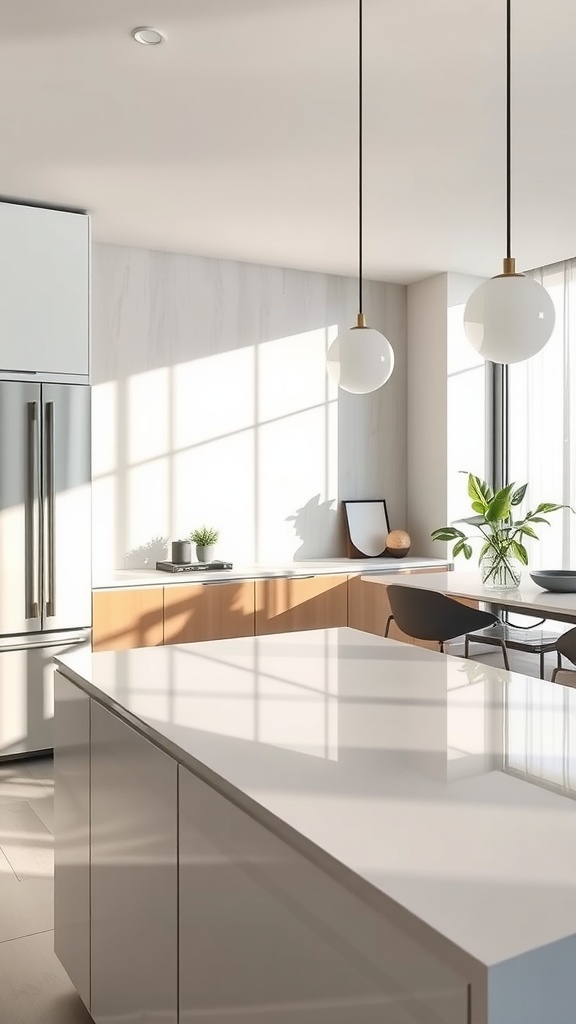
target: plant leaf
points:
(539, 519)
(479, 491)
(461, 547)
(518, 495)
(479, 507)
(527, 531)
(520, 552)
(499, 507)
(549, 506)
(447, 533)
(485, 547)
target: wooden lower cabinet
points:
(287, 604)
(124, 619)
(208, 611)
(185, 613)
(369, 608)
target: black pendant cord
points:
(360, 163)
(508, 137)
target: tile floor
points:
(34, 988)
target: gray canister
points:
(181, 552)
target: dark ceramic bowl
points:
(561, 580)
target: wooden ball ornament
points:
(397, 544)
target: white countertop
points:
(418, 772)
(528, 598)
(325, 566)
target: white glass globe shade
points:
(360, 360)
(509, 318)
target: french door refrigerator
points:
(45, 550)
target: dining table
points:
(526, 599)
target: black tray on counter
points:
(193, 566)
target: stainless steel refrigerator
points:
(45, 550)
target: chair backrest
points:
(427, 615)
(566, 645)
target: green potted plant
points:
(205, 539)
(503, 552)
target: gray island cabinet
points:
(307, 828)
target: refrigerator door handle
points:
(32, 534)
(50, 510)
(43, 644)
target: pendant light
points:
(510, 317)
(360, 359)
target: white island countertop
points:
(446, 785)
(312, 567)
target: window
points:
(541, 430)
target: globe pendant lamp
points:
(360, 359)
(510, 317)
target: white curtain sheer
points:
(542, 424)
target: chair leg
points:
(389, 620)
(558, 667)
(541, 664)
(505, 656)
(466, 646)
(441, 644)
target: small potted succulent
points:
(205, 540)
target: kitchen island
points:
(314, 828)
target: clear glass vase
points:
(500, 572)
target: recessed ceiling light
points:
(147, 36)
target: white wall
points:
(427, 411)
(465, 402)
(212, 404)
(446, 407)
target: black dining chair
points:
(566, 648)
(428, 615)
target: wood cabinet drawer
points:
(210, 611)
(316, 602)
(123, 619)
(369, 608)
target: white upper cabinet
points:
(44, 290)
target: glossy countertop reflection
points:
(446, 784)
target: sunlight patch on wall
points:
(214, 483)
(212, 397)
(147, 420)
(244, 440)
(291, 374)
(293, 468)
(105, 503)
(105, 428)
(466, 413)
(148, 502)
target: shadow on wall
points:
(211, 403)
(319, 525)
(146, 555)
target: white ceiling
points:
(237, 137)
